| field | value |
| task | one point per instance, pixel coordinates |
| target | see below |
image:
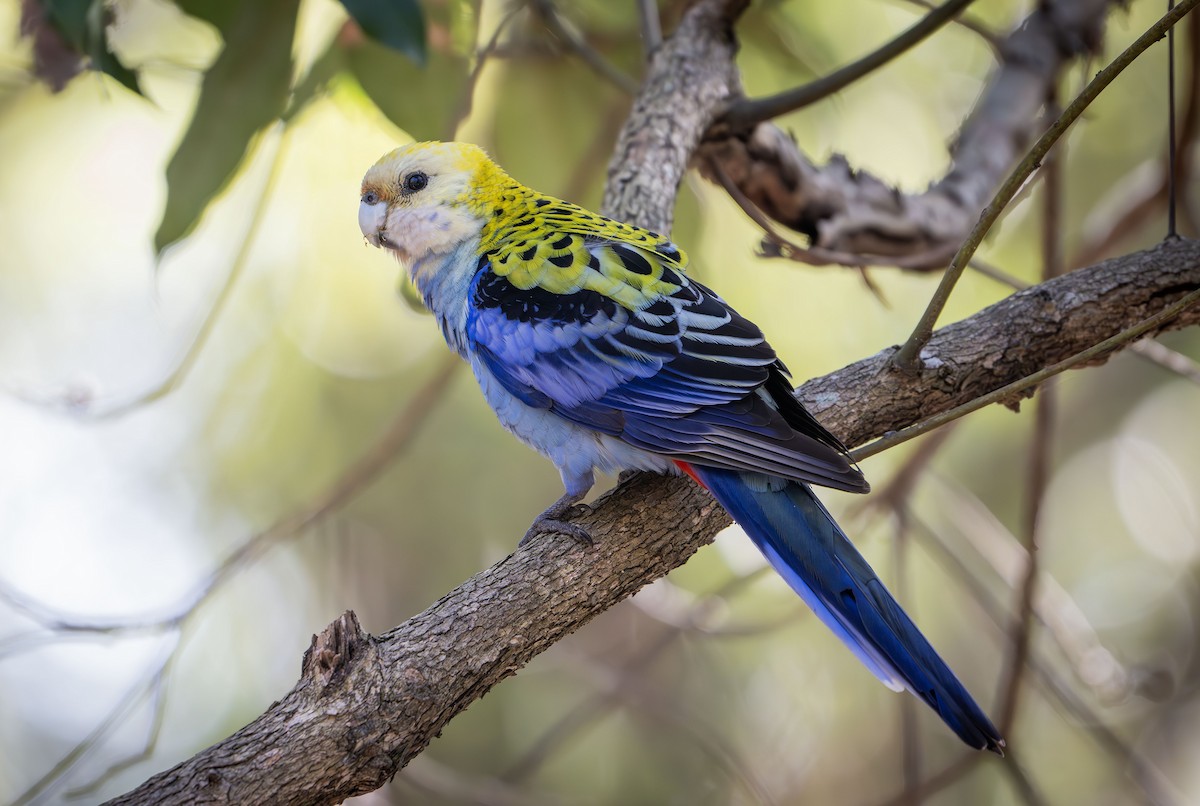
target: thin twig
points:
(1152, 784)
(1016, 387)
(158, 710)
(590, 56)
(591, 161)
(1074, 637)
(651, 25)
(356, 478)
(1150, 781)
(1022, 627)
(1151, 197)
(975, 27)
(133, 695)
(431, 778)
(948, 775)
(1172, 360)
(1147, 349)
(895, 495)
(907, 357)
(643, 702)
(481, 58)
(1171, 134)
(1026, 790)
(745, 113)
(1038, 477)
(910, 737)
(996, 273)
(82, 404)
(597, 706)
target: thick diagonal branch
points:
(365, 706)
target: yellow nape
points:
(531, 239)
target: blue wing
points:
(683, 375)
(679, 374)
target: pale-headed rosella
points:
(594, 347)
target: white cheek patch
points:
(416, 232)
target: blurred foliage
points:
(124, 215)
(65, 34)
(231, 109)
(243, 90)
(398, 24)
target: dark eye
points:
(371, 197)
(415, 181)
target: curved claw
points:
(552, 520)
(545, 525)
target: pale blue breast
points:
(573, 449)
(444, 281)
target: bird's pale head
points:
(427, 198)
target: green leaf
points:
(315, 82)
(243, 91)
(419, 101)
(107, 63)
(70, 17)
(219, 13)
(83, 24)
(399, 24)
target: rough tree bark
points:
(365, 706)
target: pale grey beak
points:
(371, 218)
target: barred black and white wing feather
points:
(678, 373)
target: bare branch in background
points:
(467, 102)
(356, 478)
(1037, 479)
(907, 356)
(687, 82)
(1168, 359)
(894, 497)
(1133, 201)
(1152, 785)
(83, 402)
(549, 14)
(743, 114)
(964, 21)
(650, 24)
(1092, 664)
(852, 213)
(694, 618)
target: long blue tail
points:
(809, 550)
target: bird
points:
(594, 347)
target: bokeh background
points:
(207, 455)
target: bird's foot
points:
(552, 521)
(553, 525)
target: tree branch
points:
(365, 706)
(851, 216)
(690, 78)
(744, 114)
